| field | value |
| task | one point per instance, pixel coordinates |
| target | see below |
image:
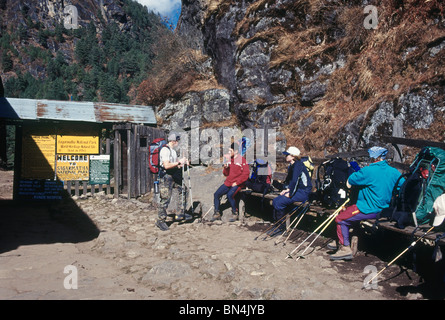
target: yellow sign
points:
(73, 167)
(38, 156)
(77, 144)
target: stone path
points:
(118, 253)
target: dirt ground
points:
(104, 248)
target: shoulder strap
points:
(164, 146)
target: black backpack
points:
(259, 182)
(405, 199)
(330, 182)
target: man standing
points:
(376, 183)
(170, 179)
(237, 172)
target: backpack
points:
(406, 198)
(258, 181)
(307, 161)
(331, 182)
(153, 154)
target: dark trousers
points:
(230, 191)
(281, 203)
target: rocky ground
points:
(118, 253)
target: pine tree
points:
(7, 62)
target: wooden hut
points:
(80, 146)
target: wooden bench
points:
(407, 232)
(320, 211)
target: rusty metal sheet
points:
(18, 109)
(30, 109)
(65, 110)
(110, 112)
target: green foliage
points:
(36, 53)
(6, 61)
(108, 62)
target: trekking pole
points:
(327, 221)
(295, 227)
(327, 224)
(183, 202)
(276, 226)
(300, 215)
(277, 223)
(284, 218)
(403, 252)
(281, 220)
(316, 237)
(202, 218)
(190, 188)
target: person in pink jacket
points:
(236, 172)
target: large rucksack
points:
(406, 199)
(153, 154)
(331, 179)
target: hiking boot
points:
(233, 217)
(216, 216)
(344, 253)
(354, 245)
(161, 225)
(332, 245)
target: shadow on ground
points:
(414, 275)
(27, 223)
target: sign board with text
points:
(77, 144)
(99, 169)
(72, 167)
(40, 189)
(38, 156)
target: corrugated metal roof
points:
(31, 109)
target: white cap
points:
(293, 151)
(439, 208)
(173, 137)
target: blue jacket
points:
(377, 182)
(298, 178)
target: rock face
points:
(206, 106)
(305, 67)
(50, 12)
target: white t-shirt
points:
(167, 154)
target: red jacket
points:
(238, 171)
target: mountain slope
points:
(104, 59)
(315, 71)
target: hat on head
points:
(439, 208)
(173, 137)
(293, 151)
(377, 152)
